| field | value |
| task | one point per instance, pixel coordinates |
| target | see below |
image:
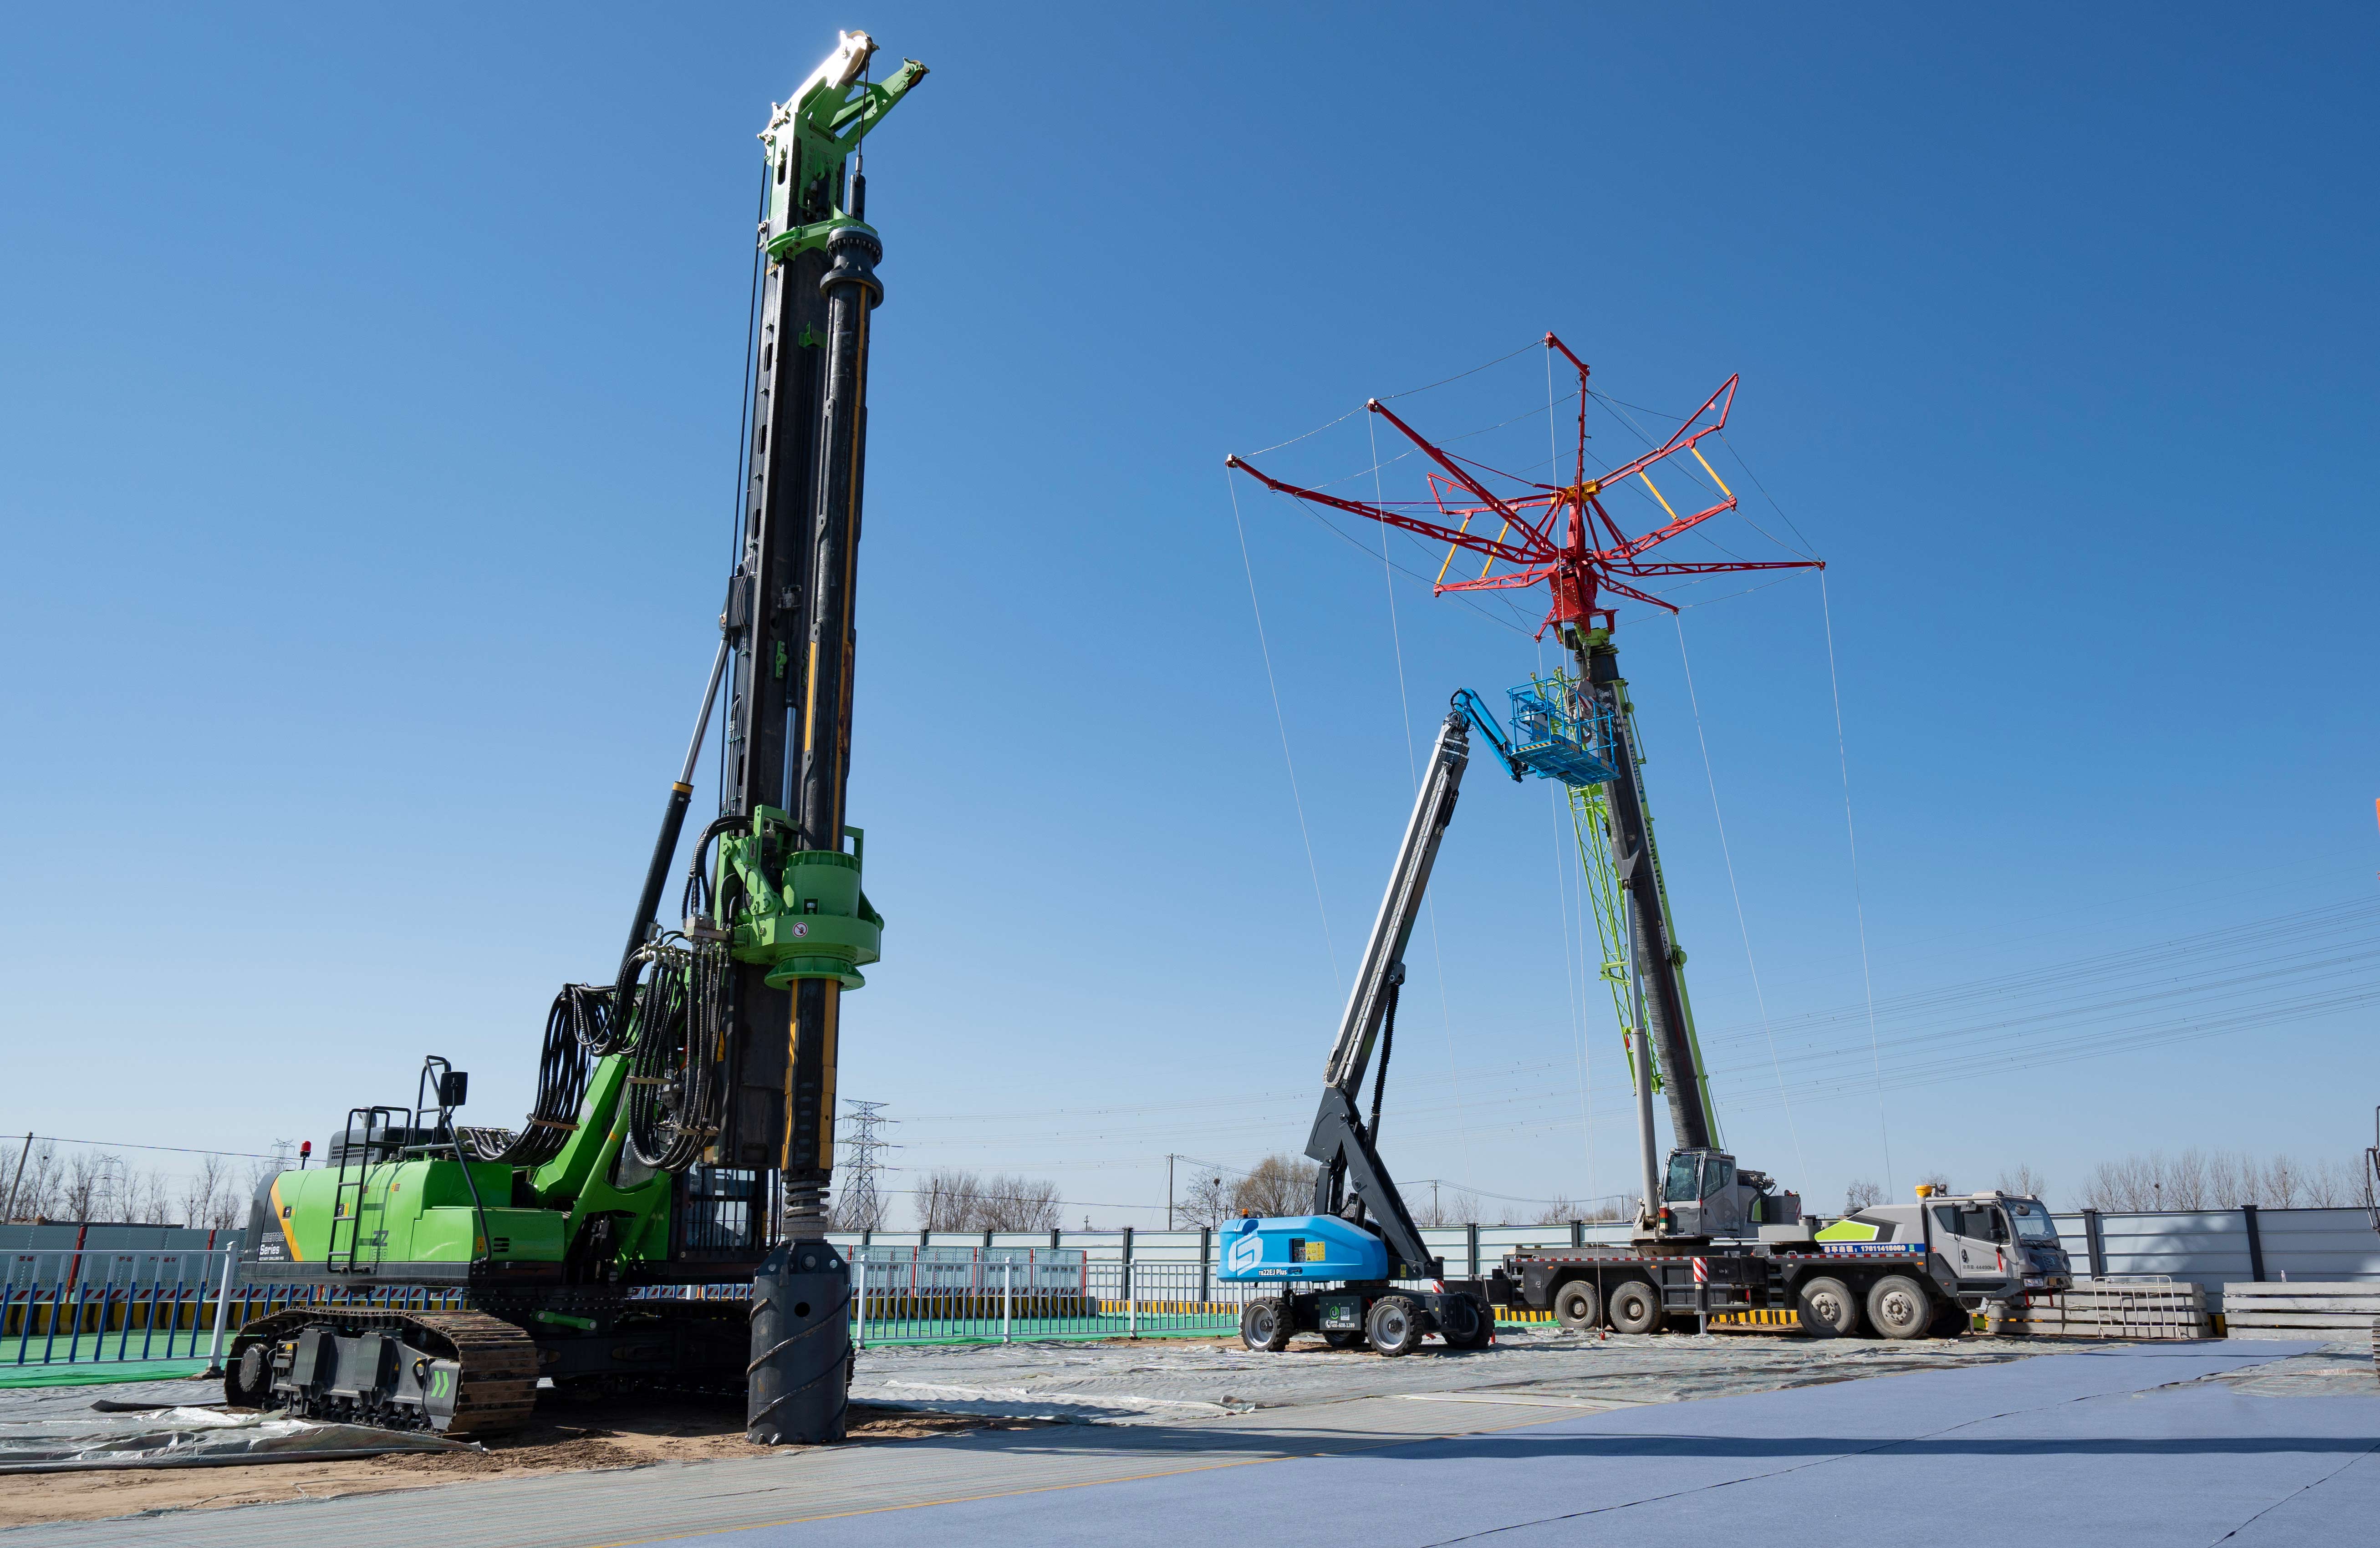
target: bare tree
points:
(2333, 1183)
(2024, 1181)
(1862, 1193)
(1210, 1202)
(1562, 1211)
(37, 1187)
(91, 1184)
(2283, 1183)
(952, 1199)
(1016, 1204)
(946, 1199)
(1280, 1185)
(2232, 1178)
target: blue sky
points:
(367, 461)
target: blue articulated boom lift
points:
(1338, 1268)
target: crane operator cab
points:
(1704, 1194)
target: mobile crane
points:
(682, 1127)
(1707, 1235)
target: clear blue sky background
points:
(367, 459)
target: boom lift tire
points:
(1578, 1307)
(1828, 1309)
(1394, 1326)
(1898, 1306)
(1635, 1308)
(1265, 1325)
(1343, 1340)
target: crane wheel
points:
(1950, 1321)
(1898, 1306)
(1578, 1307)
(1343, 1340)
(1394, 1326)
(1265, 1325)
(1827, 1307)
(1635, 1308)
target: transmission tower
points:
(859, 1206)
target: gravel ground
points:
(2337, 1369)
(1168, 1382)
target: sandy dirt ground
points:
(565, 1437)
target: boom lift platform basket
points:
(1557, 743)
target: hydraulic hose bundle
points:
(573, 1027)
(680, 1038)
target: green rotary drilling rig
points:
(682, 1130)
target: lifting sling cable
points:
(1758, 1000)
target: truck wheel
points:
(1950, 1321)
(1635, 1308)
(1898, 1306)
(1394, 1326)
(1265, 1325)
(1828, 1310)
(1578, 1308)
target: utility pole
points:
(1169, 1190)
(16, 1182)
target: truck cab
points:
(1704, 1194)
(1994, 1247)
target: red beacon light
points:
(305, 1149)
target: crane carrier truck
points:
(1711, 1237)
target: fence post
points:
(1007, 1296)
(1471, 1229)
(1577, 1234)
(1206, 1248)
(2097, 1243)
(859, 1299)
(2255, 1243)
(1131, 1301)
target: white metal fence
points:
(70, 1307)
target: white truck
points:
(1897, 1271)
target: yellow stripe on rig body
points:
(809, 702)
(281, 1218)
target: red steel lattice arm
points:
(1556, 533)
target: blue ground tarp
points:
(2116, 1448)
